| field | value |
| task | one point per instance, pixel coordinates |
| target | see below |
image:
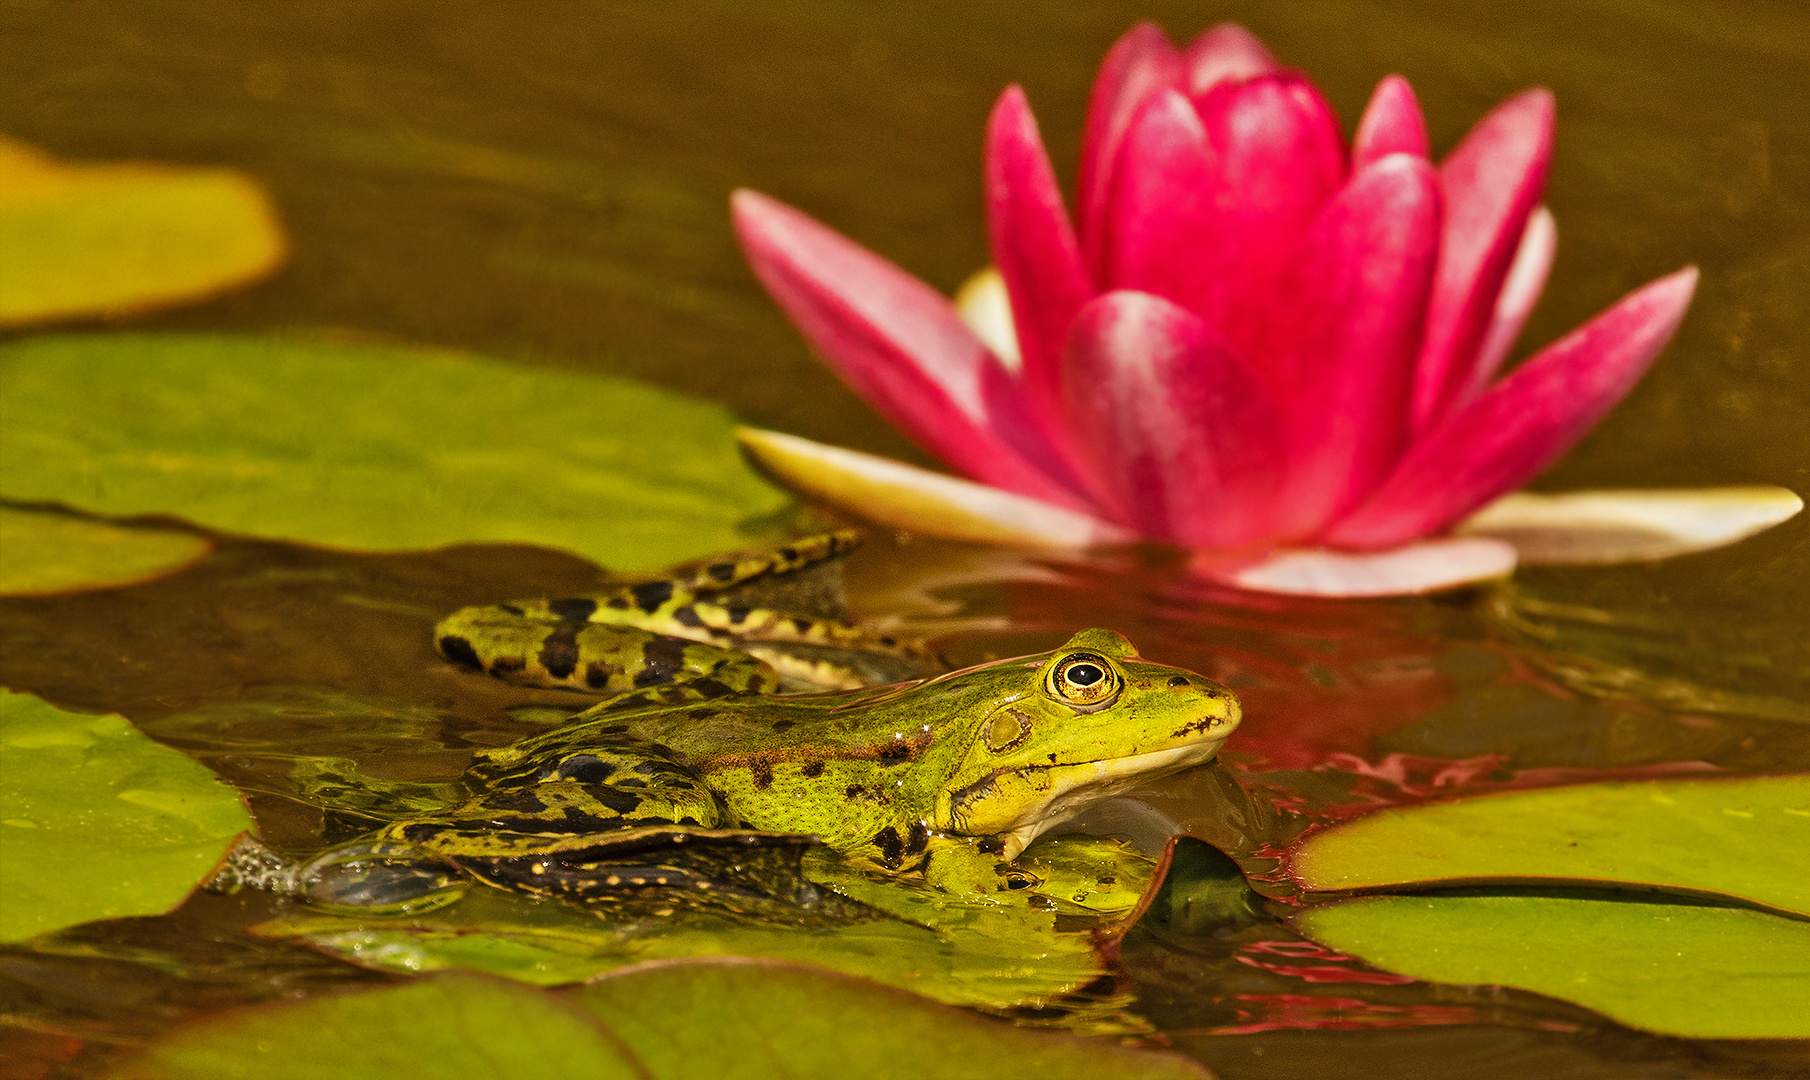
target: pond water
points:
(548, 183)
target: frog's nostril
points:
(1178, 680)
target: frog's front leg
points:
(598, 658)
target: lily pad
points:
(97, 821)
(769, 1019)
(50, 553)
(374, 448)
(1746, 837)
(118, 239)
(725, 1018)
(457, 1027)
(1696, 971)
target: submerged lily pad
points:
(118, 239)
(51, 553)
(724, 1018)
(1696, 971)
(1746, 837)
(980, 955)
(97, 821)
(366, 447)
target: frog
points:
(937, 780)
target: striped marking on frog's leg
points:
(511, 644)
(739, 570)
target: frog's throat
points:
(1048, 795)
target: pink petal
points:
(1141, 63)
(1491, 183)
(1520, 291)
(1185, 443)
(1034, 247)
(1426, 566)
(900, 345)
(1343, 356)
(1525, 422)
(1392, 124)
(1225, 53)
(1279, 156)
(1209, 200)
(1159, 222)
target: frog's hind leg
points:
(541, 648)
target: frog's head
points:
(1079, 724)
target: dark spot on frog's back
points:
(721, 571)
(597, 675)
(586, 769)
(896, 753)
(460, 652)
(511, 609)
(688, 616)
(664, 657)
(738, 613)
(650, 596)
(918, 839)
(559, 651)
(573, 608)
(892, 849)
(507, 665)
(812, 771)
(803, 625)
(763, 779)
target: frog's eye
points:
(1018, 879)
(1084, 679)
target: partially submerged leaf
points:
(374, 448)
(982, 956)
(118, 239)
(51, 553)
(903, 496)
(773, 1019)
(97, 821)
(451, 1027)
(1698, 972)
(1585, 527)
(1747, 837)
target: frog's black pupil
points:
(1016, 882)
(1085, 674)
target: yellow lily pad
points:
(1744, 837)
(122, 238)
(43, 553)
(1699, 972)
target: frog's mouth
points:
(1047, 795)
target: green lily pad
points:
(50, 553)
(97, 821)
(769, 1019)
(1746, 837)
(724, 1018)
(118, 239)
(980, 956)
(456, 1027)
(373, 448)
(1696, 971)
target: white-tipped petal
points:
(906, 497)
(1419, 567)
(984, 305)
(1596, 527)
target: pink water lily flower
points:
(1251, 340)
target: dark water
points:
(547, 182)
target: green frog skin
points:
(921, 778)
